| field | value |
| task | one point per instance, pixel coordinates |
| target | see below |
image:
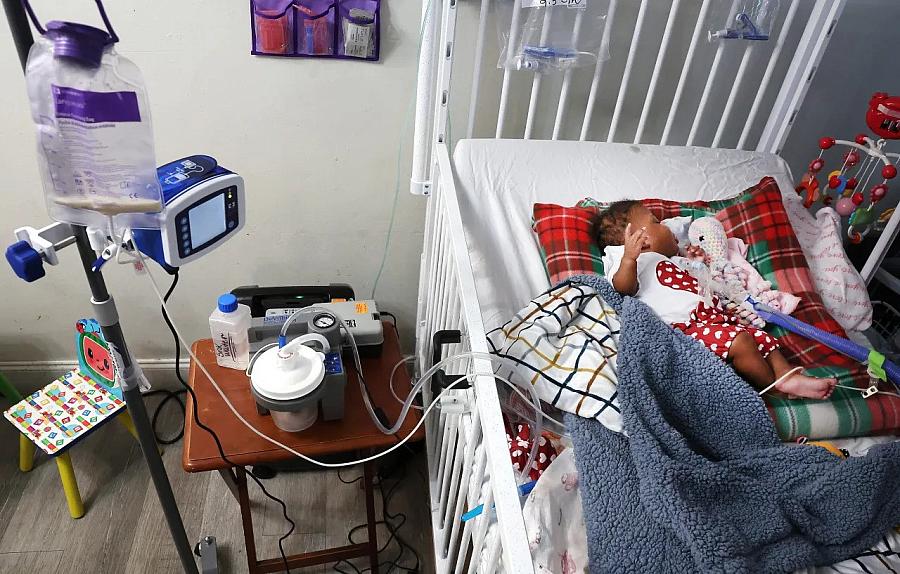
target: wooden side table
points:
(355, 433)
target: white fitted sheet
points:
(499, 181)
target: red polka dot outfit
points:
(518, 438)
(717, 330)
(674, 295)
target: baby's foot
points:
(799, 385)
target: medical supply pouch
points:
(544, 36)
(347, 29)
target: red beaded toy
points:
(866, 155)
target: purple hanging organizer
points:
(345, 29)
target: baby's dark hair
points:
(608, 227)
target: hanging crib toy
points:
(864, 160)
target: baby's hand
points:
(695, 252)
(634, 241)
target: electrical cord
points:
(211, 432)
(379, 412)
(393, 529)
(345, 481)
(393, 321)
(167, 394)
(410, 113)
(425, 376)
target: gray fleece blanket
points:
(702, 482)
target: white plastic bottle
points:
(229, 324)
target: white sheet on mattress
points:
(500, 180)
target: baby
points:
(637, 250)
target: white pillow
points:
(679, 226)
(842, 288)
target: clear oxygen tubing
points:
(403, 361)
(417, 387)
(513, 387)
(535, 400)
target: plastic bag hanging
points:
(92, 117)
(752, 21)
(550, 35)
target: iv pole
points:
(108, 317)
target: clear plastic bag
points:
(550, 35)
(752, 21)
(92, 117)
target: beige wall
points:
(316, 141)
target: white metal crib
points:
(692, 93)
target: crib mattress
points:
(499, 181)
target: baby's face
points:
(660, 238)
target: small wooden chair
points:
(62, 413)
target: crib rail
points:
(469, 460)
(662, 82)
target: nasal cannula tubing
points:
(417, 387)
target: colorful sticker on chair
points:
(94, 357)
(63, 411)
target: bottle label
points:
(225, 348)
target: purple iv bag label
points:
(95, 107)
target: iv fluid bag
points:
(94, 138)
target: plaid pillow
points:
(759, 218)
(564, 233)
(772, 248)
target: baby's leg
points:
(798, 384)
(749, 362)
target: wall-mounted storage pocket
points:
(348, 29)
(273, 26)
(359, 28)
(314, 23)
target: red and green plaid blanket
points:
(759, 218)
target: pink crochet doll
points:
(729, 267)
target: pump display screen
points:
(207, 220)
(215, 215)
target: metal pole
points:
(21, 30)
(107, 316)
